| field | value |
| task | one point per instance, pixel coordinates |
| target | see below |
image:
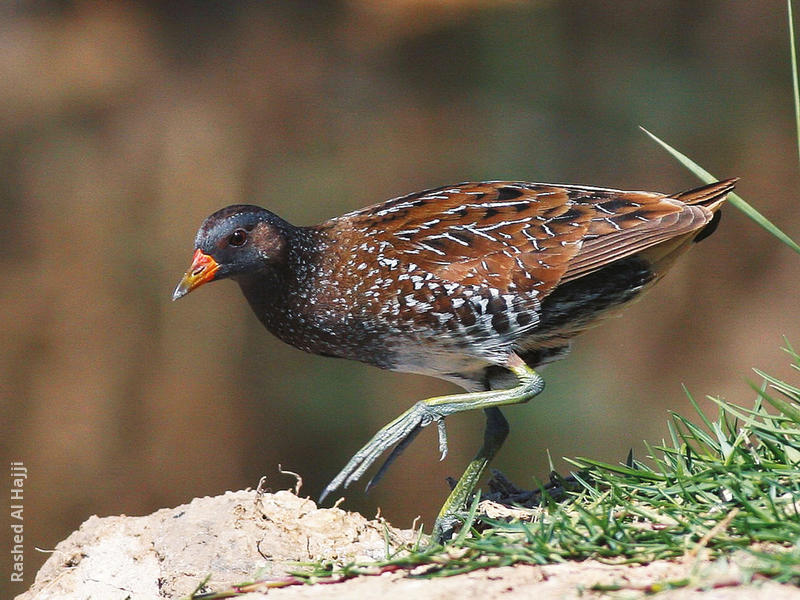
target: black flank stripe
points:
(496, 306)
(508, 193)
(437, 243)
(614, 204)
(500, 323)
(463, 235)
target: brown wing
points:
(503, 234)
(523, 236)
(645, 221)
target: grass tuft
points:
(720, 485)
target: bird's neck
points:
(283, 296)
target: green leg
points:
(493, 437)
(434, 410)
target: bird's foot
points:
(445, 528)
(401, 432)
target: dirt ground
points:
(241, 536)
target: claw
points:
(398, 450)
(328, 489)
(442, 438)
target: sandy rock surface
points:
(242, 536)
(230, 538)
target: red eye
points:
(237, 238)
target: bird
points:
(476, 283)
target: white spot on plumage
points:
(503, 204)
(389, 263)
(482, 302)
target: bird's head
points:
(234, 241)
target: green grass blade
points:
(794, 75)
(697, 408)
(790, 411)
(471, 516)
(620, 469)
(786, 389)
(734, 199)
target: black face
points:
(235, 242)
(241, 239)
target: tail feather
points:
(711, 196)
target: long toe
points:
(398, 434)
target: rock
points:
(230, 539)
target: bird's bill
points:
(202, 270)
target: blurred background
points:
(123, 125)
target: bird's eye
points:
(237, 238)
